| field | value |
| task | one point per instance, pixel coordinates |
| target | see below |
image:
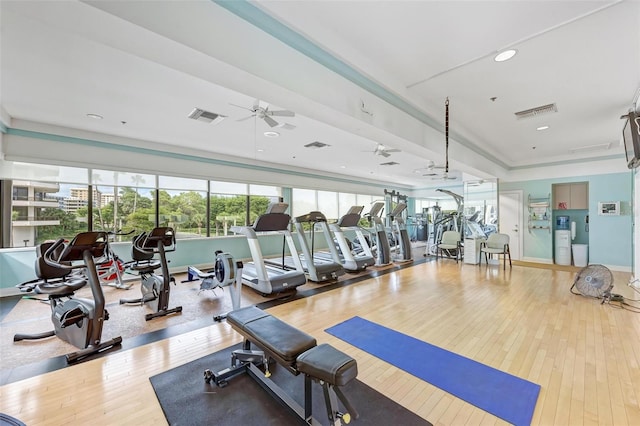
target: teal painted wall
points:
(609, 238)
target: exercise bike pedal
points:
(345, 417)
(208, 375)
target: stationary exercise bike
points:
(155, 289)
(75, 320)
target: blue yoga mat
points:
(509, 397)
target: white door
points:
(510, 220)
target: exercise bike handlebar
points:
(119, 232)
(93, 242)
(51, 251)
(152, 241)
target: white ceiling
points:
(144, 65)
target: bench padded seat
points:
(276, 337)
(326, 363)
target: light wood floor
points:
(585, 355)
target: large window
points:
(49, 202)
(238, 204)
(260, 198)
(182, 204)
(346, 201)
(39, 198)
(332, 204)
(122, 203)
(40, 211)
(229, 205)
(304, 201)
(328, 205)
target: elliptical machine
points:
(155, 289)
(75, 320)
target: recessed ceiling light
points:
(542, 128)
(260, 150)
(343, 167)
(95, 116)
(505, 55)
(271, 134)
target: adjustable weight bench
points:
(296, 351)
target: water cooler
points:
(564, 234)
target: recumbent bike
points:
(77, 321)
(155, 289)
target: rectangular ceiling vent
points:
(589, 148)
(316, 145)
(534, 112)
(206, 116)
(389, 163)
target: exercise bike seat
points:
(146, 266)
(60, 288)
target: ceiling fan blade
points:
(270, 121)
(384, 153)
(281, 113)
(392, 150)
(240, 106)
(246, 118)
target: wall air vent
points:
(389, 163)
(206, 116)
(316, 145)
(535, 112)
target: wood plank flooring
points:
(584, 354)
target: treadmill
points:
(403, 242)
(267, 278)
(319, 268)
(350, 260)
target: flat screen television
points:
(631, 137)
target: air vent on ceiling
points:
(389, 163)
(588, 148)
(316, 145)
(534, 112)
(206, 116)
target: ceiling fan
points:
(431, 169)
(383, 151)
(264, 113)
